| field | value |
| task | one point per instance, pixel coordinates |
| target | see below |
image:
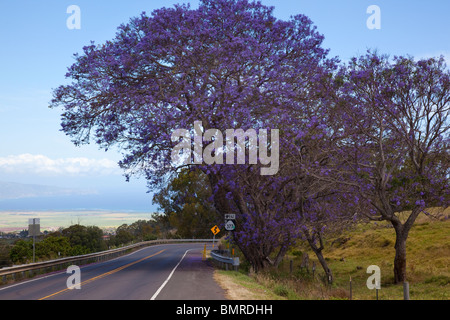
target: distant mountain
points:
(13, 190)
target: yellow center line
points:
(103, 275)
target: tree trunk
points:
(324, 265)
(319, 255)
(257, 260)
(400, 256)
(280, 255)
(258, 263)
(401, 234)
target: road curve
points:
(160, 272)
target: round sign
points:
(229, 225)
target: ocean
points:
(103, 210)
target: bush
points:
(281, 290)
(22, 252)
(150, 237)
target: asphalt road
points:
(161, 272)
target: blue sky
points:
(37, 48)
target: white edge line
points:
(168, 278)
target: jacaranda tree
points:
(228, 64)
(391, 118)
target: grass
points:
(428, 266)
(240, 286)
(428, 260)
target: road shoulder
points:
(241, 287)
(193, 280)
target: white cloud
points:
(42, 165)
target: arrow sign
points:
(215, 230)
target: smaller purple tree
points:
(324, 208)
(392, 120)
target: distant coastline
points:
(51, 220)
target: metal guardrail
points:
(223, 256)
(32, 269)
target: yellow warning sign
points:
(215, 230)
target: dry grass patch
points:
(241, 287)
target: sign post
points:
(34, 229)
(230, 226)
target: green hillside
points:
(428, 265)
(428, 260)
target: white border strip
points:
(168, 278)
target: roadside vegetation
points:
(79, 240)
(348, 256)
